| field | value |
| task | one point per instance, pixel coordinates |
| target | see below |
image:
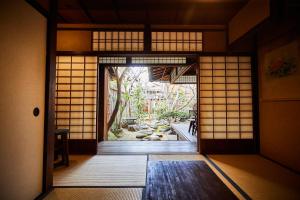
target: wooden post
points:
(49, 126)
(147, 38)
(102, 103)
(198, 104)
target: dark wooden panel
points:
(83, 146)
(145, 11)
(101, 100)
(214, 41)
(184, 180)
(227, 146)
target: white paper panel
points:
(231, 100)
(77, 84)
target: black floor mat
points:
(184, 180)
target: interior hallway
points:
(246, 176)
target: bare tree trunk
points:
(121, 114)
(175, 101)
(129, 108)
(118, 101)
(189, 101)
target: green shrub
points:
(173, 115)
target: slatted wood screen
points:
(159, 60)
(225, 98)
(186, 80)
(76, 91)
(118, 41)
(176, 41)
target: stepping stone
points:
(144, 126)
(133, 128)
(148, 132)
(154, 138)
(141, 135)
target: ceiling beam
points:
(180, 72)
(36, 5)
(116, 9)
(62, 18)
(86, 11)
(163, 73)
(162, 5)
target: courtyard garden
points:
(144, 110)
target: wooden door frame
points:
(50, 100)
(50, 87)
(103, 92)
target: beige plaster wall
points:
(22, 86)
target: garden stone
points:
(154, 138)
(153, 126)
(144, 126)
(124, 125)
(141, 135)
(169, 132)
(165, 129)
(133, 128)
(148, 132)
(147, 138)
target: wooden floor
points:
(182, 129)
(189, 180)
(146, 147)
(196, 157)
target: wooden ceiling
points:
(180, 12)
(162, 73)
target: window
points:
(225, 97)
(176, 41)
(76, 91)
(112, 60)
(118, 41)
(159, 60)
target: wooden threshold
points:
(146, 147)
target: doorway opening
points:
(150, 109)
(142, 108)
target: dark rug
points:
(183, 180)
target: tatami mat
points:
(258, 177)
(102, 170)
(95, 193)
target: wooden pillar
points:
(49, 124)
(198, 103)
(147, 38)
(102, 104)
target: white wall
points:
(22, 87)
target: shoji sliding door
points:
(225, 104)
(76, 97)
